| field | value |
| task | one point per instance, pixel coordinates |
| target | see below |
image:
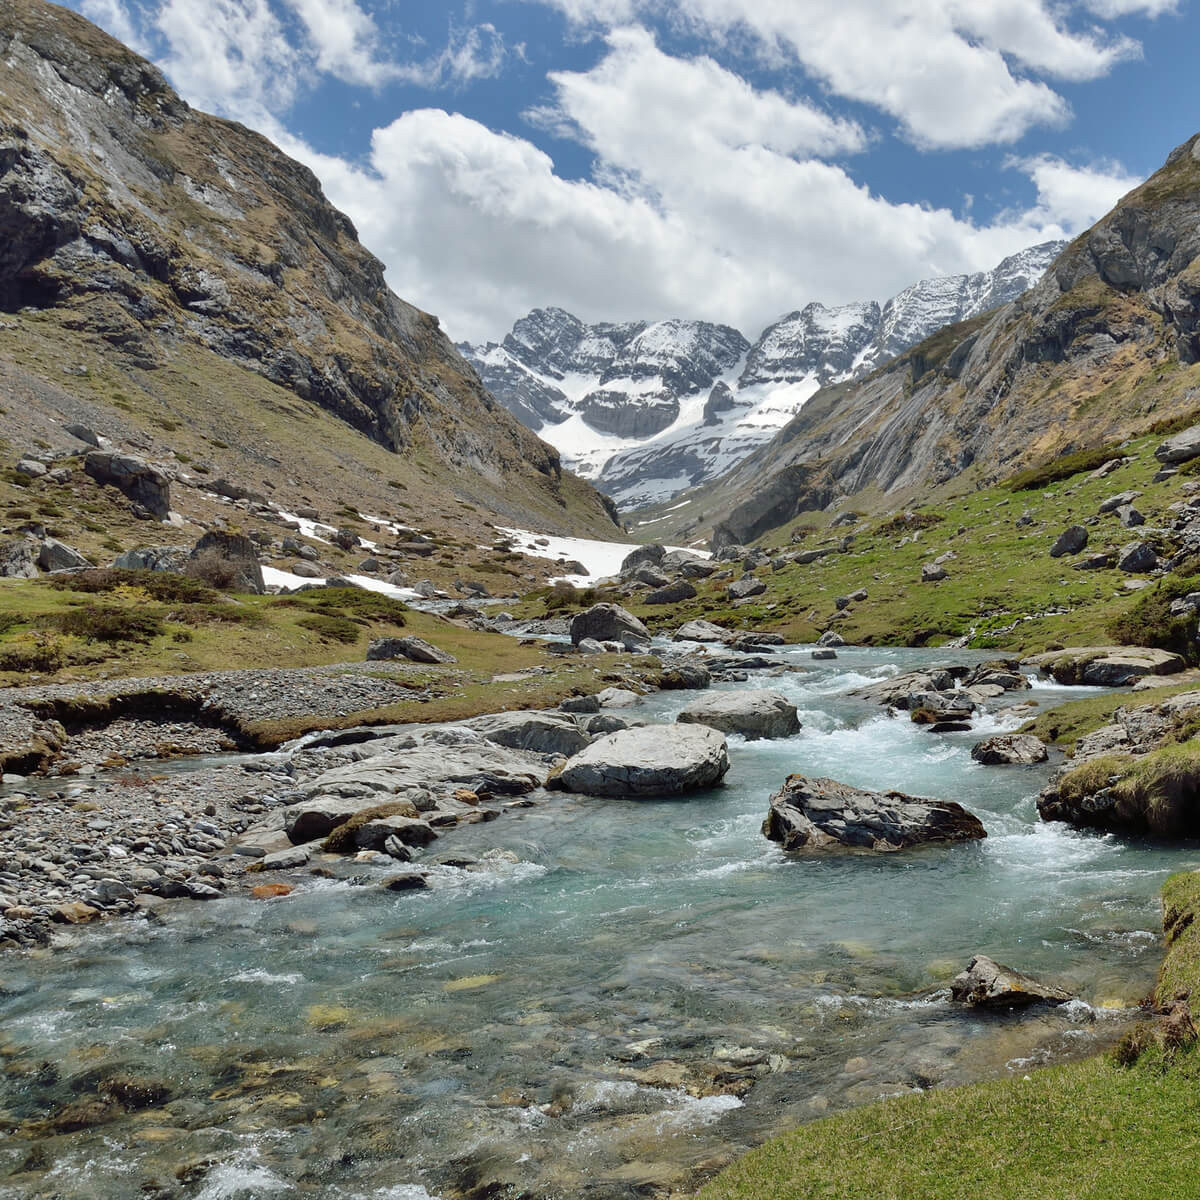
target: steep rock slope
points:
(141, 226)
(646, 410)
(1102, 347)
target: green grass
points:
(1089, 1131)
(1004, 590)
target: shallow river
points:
(647, 989)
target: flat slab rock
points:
(989, 984)
(649, 760)
(1106, 666)
(753, 714)
(1021, 749)
(820, 814)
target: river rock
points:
(650, 760)
(545, 732)
(753, 714)
(817, 814)
(831, 640)
(1070, 541)
(1019, 748)
(683, 676)
(700, 631)
(134, 477)
(608, 623)
(409, 831)
(1180, 447)
(988, 984)
(415, 649)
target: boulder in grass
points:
(987, 984)
(649, 760)
(744, 588)
(134, 477)
(673, 593)
(831, 640)
(1022, 749)
(821, 814)
(153, 558)
(753, 714)
(651, 555)
(415, 649)
(58, 556)
(933, 573)
(1137, 558)
(18, 559)
(1180, 447)
(1070, 541)
(228, 561)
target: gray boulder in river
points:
(649, 760)
(988, 984)
(817, 814)
(608, 623)
(1022, 749)
(753, 714)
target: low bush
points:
(906, 522)
(1063, 467)
(217, 614)
(349, 602)
(333, 629)
(562, 595)
(164, 586)
(105, 623)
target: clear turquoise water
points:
(509, 1025)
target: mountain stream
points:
(613, 1001)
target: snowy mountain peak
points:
(645, 409)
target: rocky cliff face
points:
(1105, 344)
(646, 410)
(142, 225)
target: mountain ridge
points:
(142, 225)
(1103, 347)
(645, 408)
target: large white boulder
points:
(650, 760)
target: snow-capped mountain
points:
(646, 409)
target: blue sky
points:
(723, 159)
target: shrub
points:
(906, 522)
(335, 629)
(562, 594)
(164, 586)
(9, 621)
(217, 614)
(1063, 467)
(104, 623)
(352, 602)
(217, 571)
(34, 652)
